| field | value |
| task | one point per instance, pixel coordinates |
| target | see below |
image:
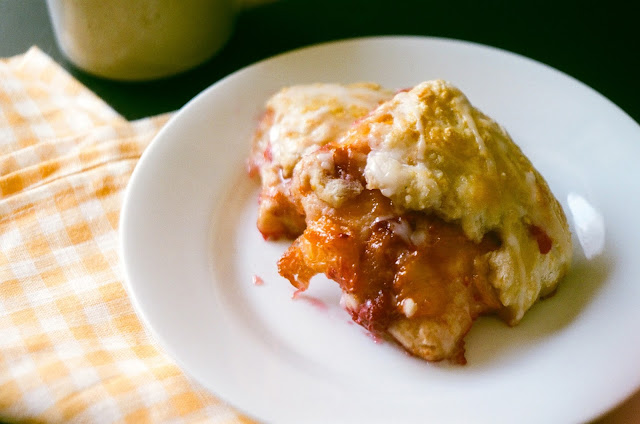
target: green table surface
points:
(596, 42)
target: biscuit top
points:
(432, 150)
(308, 116)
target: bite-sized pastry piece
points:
(298, 120)
(428, 215)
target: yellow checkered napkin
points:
(71, 346)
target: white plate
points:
(191, 249)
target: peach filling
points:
(409, 265)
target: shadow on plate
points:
(491, 340)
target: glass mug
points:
(140, 39)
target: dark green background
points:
(595, 42)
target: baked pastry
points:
(427, 215)
(298, 120)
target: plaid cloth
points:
(71, 346)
